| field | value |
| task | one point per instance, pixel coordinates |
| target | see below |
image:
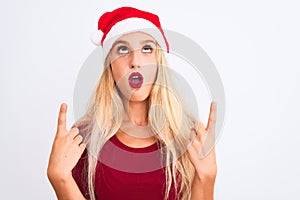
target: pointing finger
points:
(61, 124)
(212, 117)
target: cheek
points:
(115, 74)
(117, 71)
(149, 72)
(149, 59)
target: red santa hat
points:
(114, 24)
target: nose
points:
(135, 59)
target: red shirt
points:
(125, 173)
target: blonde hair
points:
(104, 117)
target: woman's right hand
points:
(66, 150)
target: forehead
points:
(136, 38)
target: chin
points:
(138, 98)
(141, 94)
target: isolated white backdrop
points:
(254, 45)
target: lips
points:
(136, 80)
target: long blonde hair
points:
(104, 117)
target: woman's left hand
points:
(202, 151)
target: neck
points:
(139, 135)
(137, 112)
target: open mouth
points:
(136, 80)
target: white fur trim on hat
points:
(96, 37)
(127, 26)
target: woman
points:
(135, 141)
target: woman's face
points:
(133, 64)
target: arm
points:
(66, 151)
(203, 191)
(66, 189)
(203, 188)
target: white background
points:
(254, 45)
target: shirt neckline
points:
(115, 140)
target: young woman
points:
(135, 140)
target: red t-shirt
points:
(125, 173)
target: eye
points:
(123, 50)
(147, 49)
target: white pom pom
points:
(97, 37)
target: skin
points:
(66, 151)
(130, 53)
(134, 52)
(67, 147)
(206, 168)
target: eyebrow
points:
(148, 41)
(119, 42)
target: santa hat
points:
(114, 24)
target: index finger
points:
(212, 117)
(61, 124)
